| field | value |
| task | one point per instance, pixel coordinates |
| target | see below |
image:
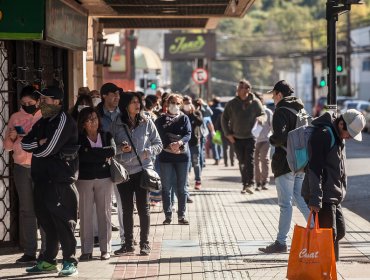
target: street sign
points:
(200, 76)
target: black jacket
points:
(283, 121)
(93, 161)
(196, 121)
(325, 179)
(47, 164)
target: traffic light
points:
(322, 82)
(340, 64)
(152, 84)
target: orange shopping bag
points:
(312, 253)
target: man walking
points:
(53, 142)
(237, 121)
(288, 184)
(325, 183)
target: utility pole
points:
(313, 86)
(348, 55)
(333, 9)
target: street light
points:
(99, 50)
(108, 52)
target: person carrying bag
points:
(312, 253)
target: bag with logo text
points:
(311, 255)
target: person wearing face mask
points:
(53, 141)
(95, 95)
(82, 102)
(20, 123)
(196, 121)
(174, 127)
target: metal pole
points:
(332, 19)
(348, 55)
(313, 86)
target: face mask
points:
(31, 109)
(187, 107)
(49, 110)
(96, 101)
(80, 107)
(174, 109)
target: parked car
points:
(359, 105)
(322, 102)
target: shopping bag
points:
(216, 139)
(312, 253)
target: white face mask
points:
(187, 107)
(80, 107)
(174, 109)
(96, 101)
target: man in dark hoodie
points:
(288, 184)
(237, 121)
(325, 183)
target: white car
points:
(360, 105)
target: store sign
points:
(66, 24)
(22, 19)
(180, 46)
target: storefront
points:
(41, 43)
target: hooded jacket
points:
(325, 179)
(283, 121)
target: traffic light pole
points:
(332, 19)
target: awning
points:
(147, 59)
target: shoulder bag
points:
(118, 173)
(150, 179)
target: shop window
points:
(366, 64)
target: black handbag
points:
(118, 173)
(150, 179)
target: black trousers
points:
(331, 216)
(244, 149)
(56, 206)
(126, 191)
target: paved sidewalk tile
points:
(226, 229)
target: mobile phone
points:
(19, 130)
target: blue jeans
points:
(195, 161)
(169, 170)
(288, 188)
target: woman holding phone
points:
(20, 124)
(133, 130)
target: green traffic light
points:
(339, 68)
(322, 83)
(153, 86)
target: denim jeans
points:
(169, 170)
(195, 161)
(244, 149)
(216, 151)
(288, 188)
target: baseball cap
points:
(283, 87)
(109, 87)
(53, 92)
(355, 122)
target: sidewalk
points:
(226, 229)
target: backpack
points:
(297, 146)
(303, 118)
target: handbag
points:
(150, 179)
(118, 173)
(312, 253)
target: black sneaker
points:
(115, 228)
(26, 259)
(145, 250)
(167, 221)
(124, 249)
(264, 186)
(244, 189)
(189, 200)
(258, 187)
(275, 247)
(183, 221)
(96, 241)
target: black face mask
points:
(31, 109)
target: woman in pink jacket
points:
(20, 124)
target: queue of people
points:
(168, 134)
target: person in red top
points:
(20, 123)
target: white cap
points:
(355, 122)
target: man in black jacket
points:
(53, 142)
(288, 184)
(325, 183)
